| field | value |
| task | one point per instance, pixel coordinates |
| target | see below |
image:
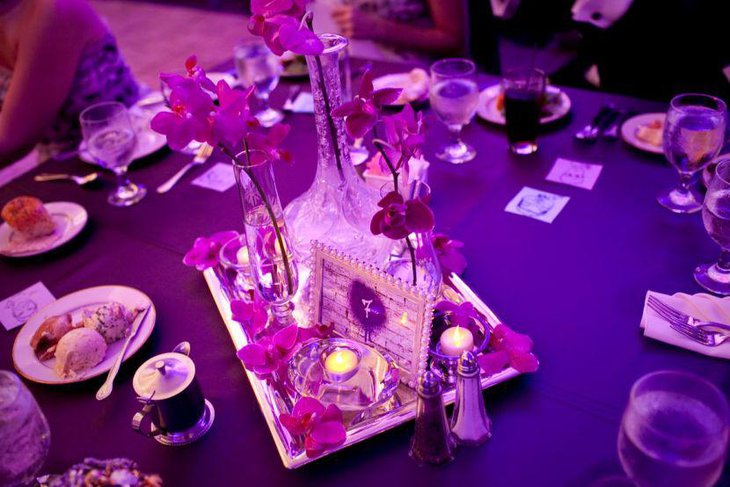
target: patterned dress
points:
(102, 75)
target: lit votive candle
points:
(341, 363)
(456, 340)
(242, 256)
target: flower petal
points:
(419, 217)
(329, 434)
(493, 362)
(386, 96)
(286, 338)
(253, 355)
(307, 405)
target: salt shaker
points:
(431, 441)
(470, 424)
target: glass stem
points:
(455, 133)
(684, 180)
(122, 179)
(723, 262)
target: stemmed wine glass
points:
(454, 96)
(716, 217)
(674, 432)
(257, 66)
(110, 139)
(694, 132)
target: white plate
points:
(28, 365)
(70, 219)
(487, 108)
(148, 141)
(630, 126)
(215, 77)
(404, 82)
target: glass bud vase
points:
(273, 266)
(318, 213)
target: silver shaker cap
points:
(468, 364)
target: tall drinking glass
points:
(110, 139)
(257, 66)
(524, 89)
(716, 217)
(24, 434)
(674, 432)
(454, 96)
(694, 133)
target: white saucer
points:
(630, 126)
(70, 219)
(28, 365)
(487, 108)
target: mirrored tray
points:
(274, 399)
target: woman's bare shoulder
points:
(70, 16)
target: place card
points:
(575, 173)
(15, 310)
(219, 178)
(537, 204)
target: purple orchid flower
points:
(398, 218)
(460, 314)
(509, 348)
(191, 108)
(279, 23)
(270, 354)
(448, 253)
(322, 427)
(361, 113)
(232, 120)
(204, 253)
(270, 143)
(252, 315)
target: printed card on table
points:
(219, 178)
(537, 204)
(15, 310)
(575, 173)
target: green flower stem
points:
(413, 258)
(269, 210)
(379, 145)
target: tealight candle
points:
(341, 362)
(242, 256)
(455, 340)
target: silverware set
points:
(708, 333)
(201, 156)
(80, 180)
(606, 124)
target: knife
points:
(590, 132)
(108, 385)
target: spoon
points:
(80, 180)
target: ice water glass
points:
(716, 217)
(524, 90)
(257, 66)
(454, 96)
(674, 432)
(110, 139)
(24, 434)
(694, 133)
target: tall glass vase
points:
(273, 266)
(337, 208)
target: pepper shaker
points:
(431, 440)
(470, 424)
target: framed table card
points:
(368, 305)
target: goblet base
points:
(127, 194)
(681, 201)
(523, 148)
(712, 278)
(457, 153)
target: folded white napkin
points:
(701, 306)
(303, 103)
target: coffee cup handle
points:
(139, 417)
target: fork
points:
(201, 156)
(684, 324)
(590, 132)
(80, 180)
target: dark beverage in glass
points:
(523, 94)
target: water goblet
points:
(674, 432)
(110, 139)
(454, 96)
(524, 89)
(694, 133)
(257, 66)
(24, 433)
(716, 217)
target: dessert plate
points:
(488, 110)
(630, 126)
(28, 365)
(70, 219)
(415, 85)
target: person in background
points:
(402, 29)
(56, 58)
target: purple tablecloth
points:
(576, 286)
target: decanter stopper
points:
(470, 424)
(431, 442)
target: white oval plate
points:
(402, 81)
(630, 126)
(70, 219)
(28, 365)
(487, 108)
(148, 141)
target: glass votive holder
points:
(234, 260)
(445, 353)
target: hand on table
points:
(354, 22)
